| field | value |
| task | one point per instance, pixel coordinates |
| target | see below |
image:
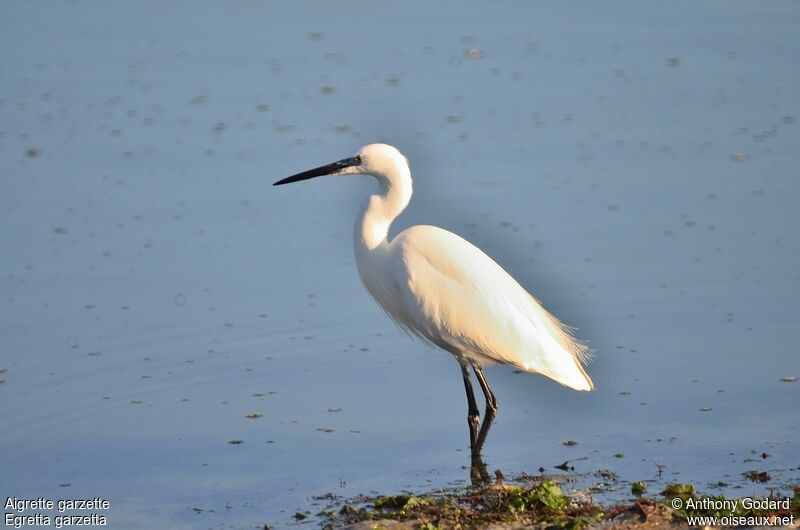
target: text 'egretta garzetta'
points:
(446, 291)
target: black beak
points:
(320, 171)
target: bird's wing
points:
(456, 296)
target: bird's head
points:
(379, 160)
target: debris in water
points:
(565, 466)
(473, 53)
(757, 476)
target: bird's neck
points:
(380, 209)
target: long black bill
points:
(320, 171)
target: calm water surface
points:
(634, 166)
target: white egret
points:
(444, 290)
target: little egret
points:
(447, 292)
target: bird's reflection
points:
(478, 473)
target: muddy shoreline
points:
(546, 502)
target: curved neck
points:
(380, 209)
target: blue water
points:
(633, 165)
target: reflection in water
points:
(478, 473)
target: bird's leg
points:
(491, 410)
(474, 415)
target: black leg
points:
(473, 416)
(491, 411)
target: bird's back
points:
(448, 292)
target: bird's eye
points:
(359, 159)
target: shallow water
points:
(634, 166)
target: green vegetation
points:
(539, 502)
(543, 501)
(682, 491)
(638, 488)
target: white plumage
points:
(443, 289)
(458, 298)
